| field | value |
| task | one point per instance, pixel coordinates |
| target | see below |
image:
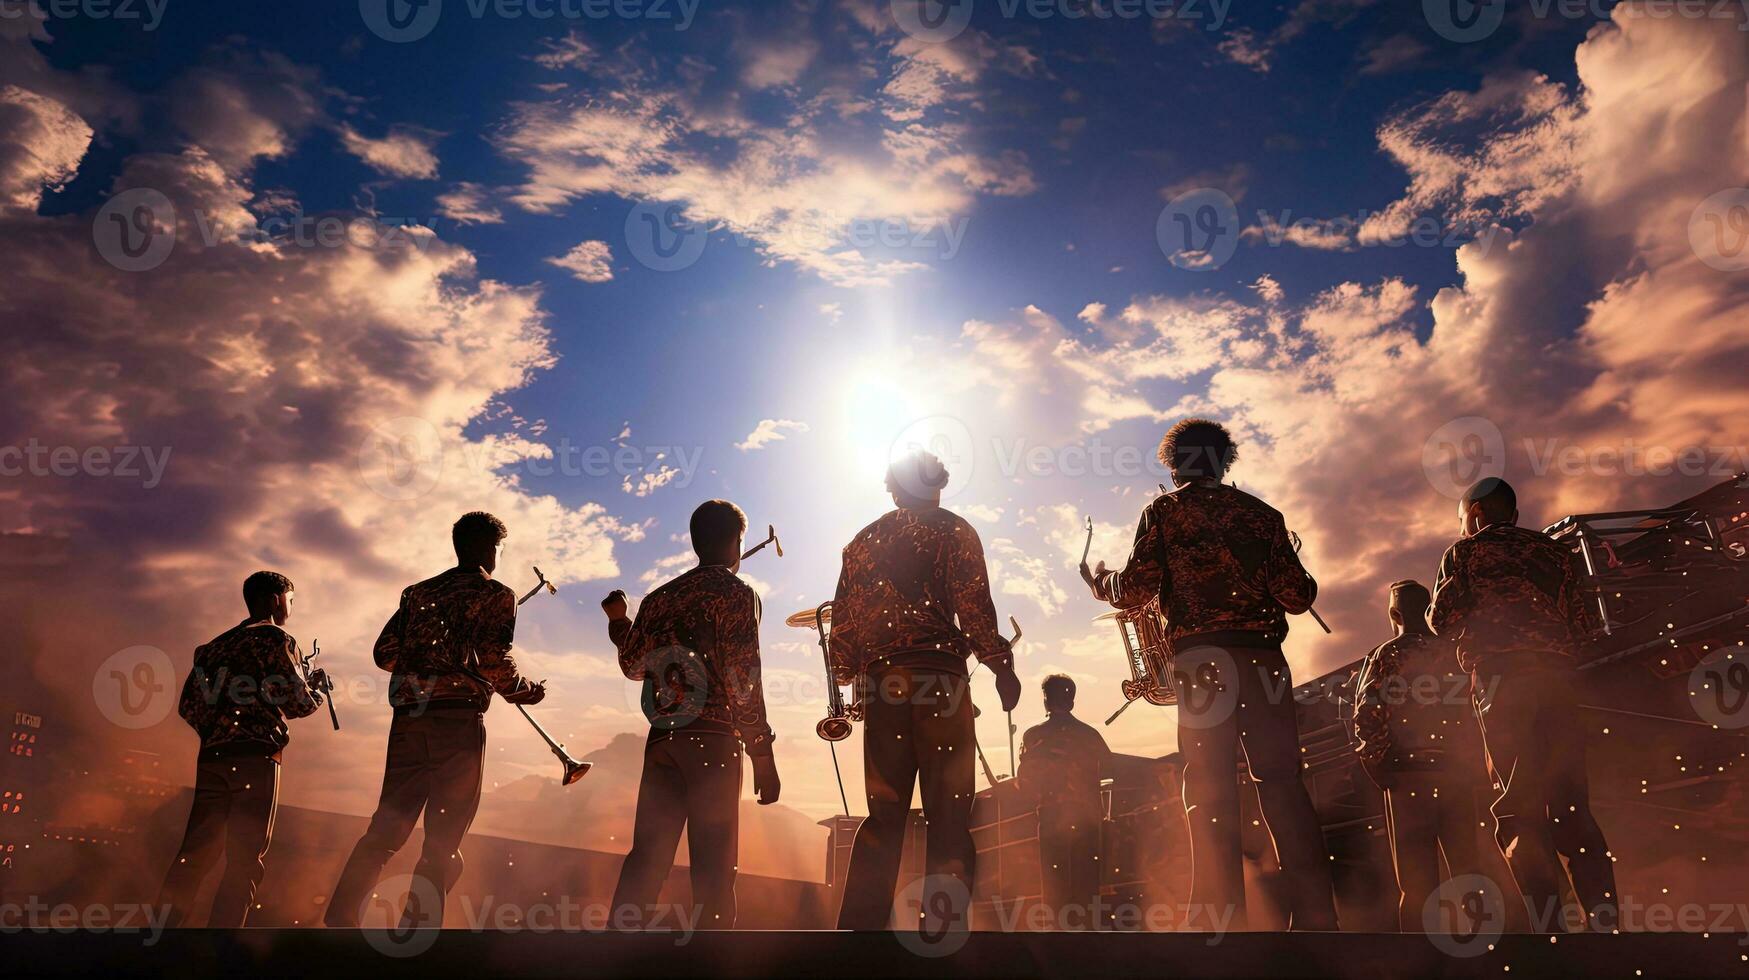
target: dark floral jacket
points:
(245, 684)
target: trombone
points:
(836, 726)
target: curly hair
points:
(475, 532)
(919, 474)
(1198, 447)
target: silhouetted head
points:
(268, 596)
(1489, 502)
(916, 479)
(1059, 693)
(479, 540)
(1198, 448)
(1409, 602)
(717, 529)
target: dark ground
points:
(318, 953)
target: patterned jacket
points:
(914, 591)
(449, 642)
(1507, 589)
(1062, 760)
(695, 646)
(1221, 562)
(245, 684)
(1412, 710)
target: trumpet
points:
(836, 726)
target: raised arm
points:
(630, 639)
(1143, 576)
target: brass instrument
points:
(770, 539)
(1144, 641)
(574, 770)
(836, 726)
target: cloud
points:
(797, 180)
(590, 261)
(466, 203)
(1246, 47)
(403, 152)
(769, 431)
(42, 145)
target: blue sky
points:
(1026, 164)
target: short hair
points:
(1198, 447)
(1496, 498)
(1059, 689)
(716, 523)
(260, 589)
(475, 532)
(1409, 597)
(918, 473)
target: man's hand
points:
(319, 682)
(1092, 576)
(1007, 687)
(528, 694)
(766, 785)
(615, 604)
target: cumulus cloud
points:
(589, 261)
(42, 145)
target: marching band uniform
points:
(447, 648)
(695, 645)
(913, 602)
(1226, 574)
(244, 686)
(1426, 754)
(1509, 598)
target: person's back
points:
(1222, 564)
(244, 686)
(1507, 590)
(696, 642)
(1413, 711)
(1062, 759)
(449, 632)
(913, 591)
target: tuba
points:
(836, 726)
(1143, 630)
